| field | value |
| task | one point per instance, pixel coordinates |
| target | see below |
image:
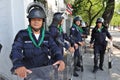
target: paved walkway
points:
(107, 74)
(113, 74)
(116, 38)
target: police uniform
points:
(98, 37)
(25, 53)
(75, 34)
(57, 33)
(28, 51)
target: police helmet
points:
(58, 17)
(36, 10)
(77, 18)
(100, 20)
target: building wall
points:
(26, 3)
(12, 16)
(5, 39)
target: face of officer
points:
(77, 23)
(36, 23)
(61, 22)
(99, 25)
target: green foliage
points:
(88, 9)
(76, 7)
(117, 6)
(116, 17)
(69, 1)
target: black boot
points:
(101, 60)
(78, 65)
(75, 64)
(77, 69)
(95, 69)
(78, 61)
(96, 57)
(101, 67)
(75, 74)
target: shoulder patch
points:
(73, 28)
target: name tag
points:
(45, 41)
(28, 41)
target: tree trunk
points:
(109, 11)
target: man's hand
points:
(91, 45)
(61, 65)
(76, 46)
(71, 49)
(22, 72)
(82, 43)
(111, 39)
(84, 36)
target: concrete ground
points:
(107, 74)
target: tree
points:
(69, 1)
(115, 20)
(76, 7)
(116, 17)
(88, 9)
(117, 7)
(109, 11)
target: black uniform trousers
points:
(99, 51)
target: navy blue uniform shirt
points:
(99, 37)
(24, 52)
(75, 34)
(59, 38)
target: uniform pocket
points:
(28, 50)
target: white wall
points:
(5, 31)
(12, 19)
(26, 3)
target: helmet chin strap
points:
(36, 30)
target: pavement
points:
(107, 74)
(116, 38)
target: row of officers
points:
(34, 47)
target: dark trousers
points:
(76, 58)
(99, 52)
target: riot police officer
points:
(58, 34)
(76, 34)
(32, 45)
(98, 37)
